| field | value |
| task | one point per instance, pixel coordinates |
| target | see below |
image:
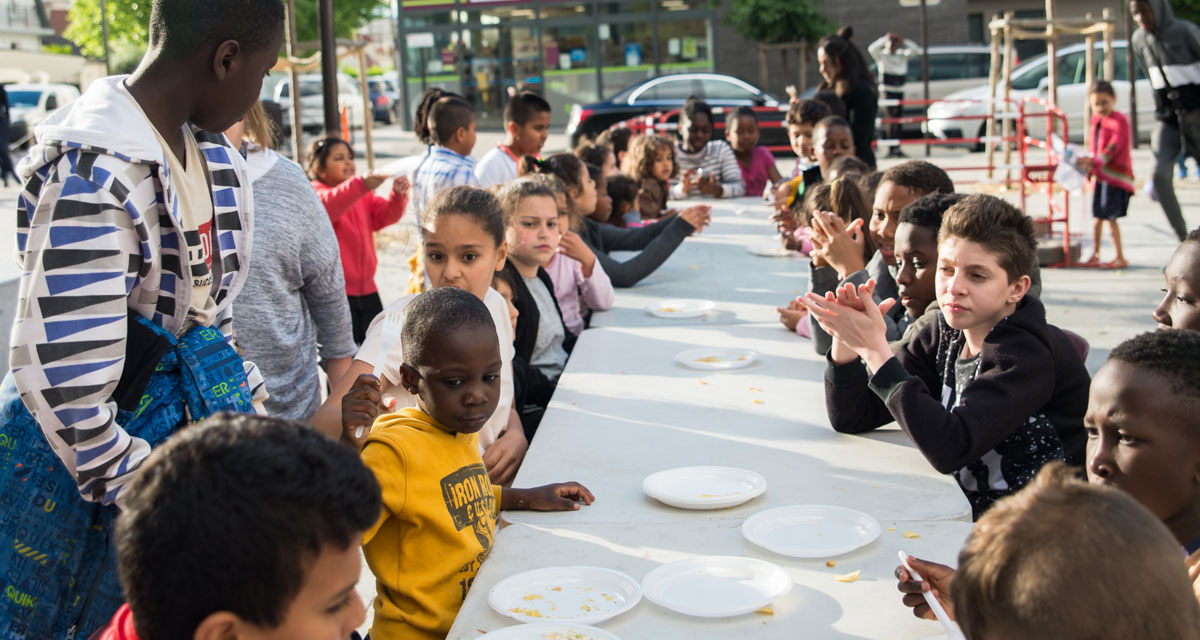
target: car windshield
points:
(1071, 69)
(23, 98)
(307, 88)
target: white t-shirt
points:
(369, 353)
(495, 167)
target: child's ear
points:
(224, 58)
(512, 128)
(409, 377)
(501, 255)
(1018, 289)
(220, 625)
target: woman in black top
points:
(844, 71)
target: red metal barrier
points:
(1040, 177)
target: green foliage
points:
(1187, 9)
(779, 21)
(60, 49)
(128, 22)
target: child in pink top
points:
(1112, 165)
(757, 163)
(357, 213)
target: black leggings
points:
(363, 310)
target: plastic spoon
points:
(952, 630)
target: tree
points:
(128, 22)
(779, 22)
(1187, 9)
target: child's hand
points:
(573, 246)
(782, 191)
(401, 185)
(360, 406)
(818, 241)
(843, 244)
(564, 496)
(373, 180)
(688, 181)
(698, 216)
(710, 187)
(938, 578)
(504, 456)
(1085, 164)
(864, 331)
(793, 314)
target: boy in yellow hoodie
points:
(439, 506)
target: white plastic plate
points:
(769, 251)
(550, 631)
(716, 586)
(584, 595)
(716, 358)
(811, 531)
(704, 487)
(680, 308)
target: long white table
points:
(624, 409)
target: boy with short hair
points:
(1034, 568)
(1112, 164)
(240, 495)
(802, 117)
(618, 139)
(991, 392)
(526, 126)
(440, 508)
(448, 162)
(133, 235)
(1181, 287)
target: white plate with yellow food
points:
(680, 308)
(550, 631)
(811, 531)
(716, 358)
(716, 586)
(704, 487)
(582, 595)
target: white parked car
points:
(31, 103)
(312, 102)
(1032, 79)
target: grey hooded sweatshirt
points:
(1175, 45)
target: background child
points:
(1112, 165)
(462, 241)
(600, 155)
(604, 206)
(917, 261)
(757, 163)
(426, 548)
(1029, 570)
(651, 161)
(617, 139)
(832, 139)
(708, 165)
(1181, 291)
(447, 162)
(357, 213)
(280, 502)
(992, 392)
(623, 192)
(848, 166)
(526, 127)
(580, 284)
(802, 117)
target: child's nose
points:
(1160, 314)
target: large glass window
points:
(570, 61)
(626, 49)
(432, 60)
(685, 46)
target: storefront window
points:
(432, 61)
(499, 59)
(569, 59)
(685, 46)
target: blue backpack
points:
(59, 572)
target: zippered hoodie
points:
(1023, 407)
(98, 235)
(1175, 44)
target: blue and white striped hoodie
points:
(98, 235)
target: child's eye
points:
(491, 377)
(434, 257)
(341, 604)
(1092, 432)
(470, 257)
(1125, 438)
(452, 383)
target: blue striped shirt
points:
(441, 169)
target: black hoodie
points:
(1023, 406)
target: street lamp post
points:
(333, 123)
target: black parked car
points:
(665, 93)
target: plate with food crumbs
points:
(717, 586)
(704, 487)
(811, 531)
(582, 595)
(551, 631)
(772, 251)
(716, 358)
(680, 308)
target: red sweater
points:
(357, 214)
(1110, 148)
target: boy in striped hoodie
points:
(1112, 165)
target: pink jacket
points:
(1110, 148)
(567, 275)
(356, 214)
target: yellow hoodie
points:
(438, 519)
